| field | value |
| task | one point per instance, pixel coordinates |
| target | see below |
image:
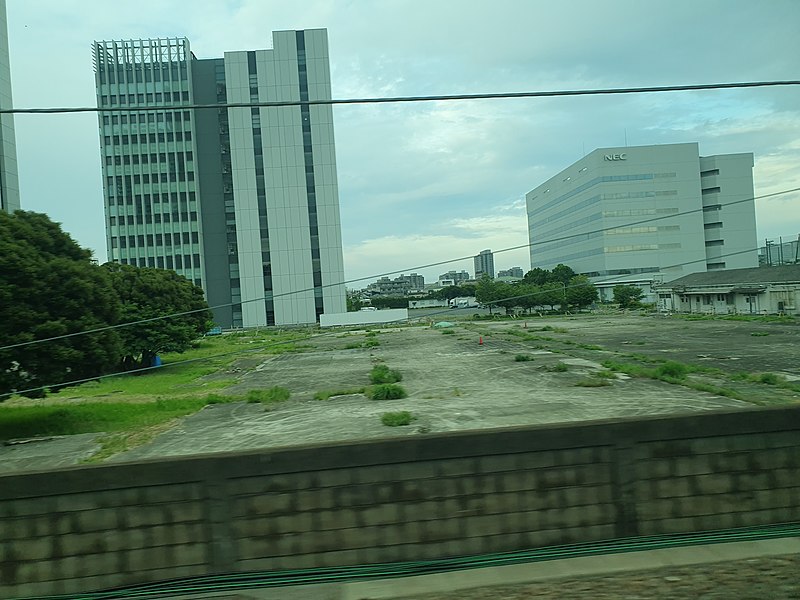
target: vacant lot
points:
(525, 372)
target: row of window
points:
(148, 219)
(144, 138)
(651, 229)
(158, 239)
(181, 175)
(147, 159)
(603, 179)
(154, 198)
(144, 72)
(148, 117)
(143, 99)
(637, 247)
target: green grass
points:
(397, 419)
(605, 374)
(559, 368)
(268, 396)
(386, 391)
(448, 332)
(92, 417)
(674, 370)
(381, 373)
(325, 394)
(523, 358)
(592, 383)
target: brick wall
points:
(417, 498)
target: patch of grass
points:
(381, 373)
(91, 417)
(397, 419)
(325, 394)
(372, 334)
(219, 399)
(448, 332)
(605, 374)
(456, 392)
(523, 358)
(386, 391)
(771, 378)
(712, 389)
(553, 329)
(590, 346)
(559, 368)
(759, 334)
(371, 343)
(674, 370)
(592, 383)
(268, 396)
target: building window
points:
(715, 265)
(715, 243)
(709, 172)
(717, 225)
(711, 190)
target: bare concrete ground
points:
(453, 384)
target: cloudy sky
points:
(427, 182)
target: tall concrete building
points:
(9, 181)
(588, 216)
(484, 264)
(241, 200)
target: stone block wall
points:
(437, 496)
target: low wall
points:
(425, 497)
(364, 317)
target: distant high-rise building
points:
(455, 276)
(660, 210)
(484, 264)
(9, 180)
(241, 200)
(513, 272)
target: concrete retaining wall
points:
(433, 496)
(364, 317)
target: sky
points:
(422, 183)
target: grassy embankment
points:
(132, 409)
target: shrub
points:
(559, 368)
(672, 369)
(397, 419)
(383, 374)
(770, 378)
(371, 343)
(523, 358)
(386, 391)
(219, 399)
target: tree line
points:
(51, 288)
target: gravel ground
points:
(774, 578)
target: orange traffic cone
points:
(480, 340)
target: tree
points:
(147, 293)
(562, 273)
(627, 296)
(354, 302)
(50, 287)
(537, 276)
(487, 291)
(580, 292)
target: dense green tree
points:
(354, 302)
(147, 293)
(453, 291)
(487, 292)
(627, 296)
(50, 287)
(562, 273)
(537, 276)
(389, 302)
(580, 292)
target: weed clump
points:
(593, 383)
(559, 368)
(397, 419)
(268, 396)
(381, 373)
(673, 370)
(386, 391)
(523, 358)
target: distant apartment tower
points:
(513, 272)
(455, 276)
(243, 201)
(664, 209)
(484, 264)
(9, 181)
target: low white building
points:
(759, 290)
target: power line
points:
(317, 336)
(406, 99)
(387, 273)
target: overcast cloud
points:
(427, 182)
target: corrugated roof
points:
(754, 275)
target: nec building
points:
(620, 212)
(242, 200)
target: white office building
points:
(241, 200)
(646, 213)
(9, 183)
